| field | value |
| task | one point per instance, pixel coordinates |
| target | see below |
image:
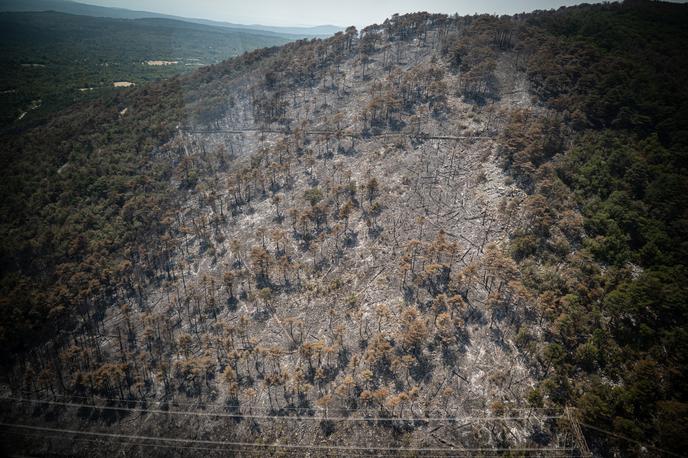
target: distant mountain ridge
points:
(60, 58)
(67, 6)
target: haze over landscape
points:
(316, 12)
(436, 228)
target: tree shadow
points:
(350, 239)
(475, 316)
(232, 303)
(421, 371)
(497, 336)
(375, 231)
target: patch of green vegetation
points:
(617, 298)
(51, 60)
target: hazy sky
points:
(319, 12)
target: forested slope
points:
(385, 232)
(615, 77)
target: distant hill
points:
(316, 31)
(66, 6)
(51, 59)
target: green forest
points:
(51, 60)
(90, 209)
(616, 76)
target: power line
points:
(558, 453)
(334, 133)
(266, 417)
(550, 410)
(177, 440)
(619, 436)
(333, 409)
(44, 436)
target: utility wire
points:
(619, 436)
(81, 439)
(266, 417)
(333, 409)
(553, 454)
(177, 440)
(334, 133)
